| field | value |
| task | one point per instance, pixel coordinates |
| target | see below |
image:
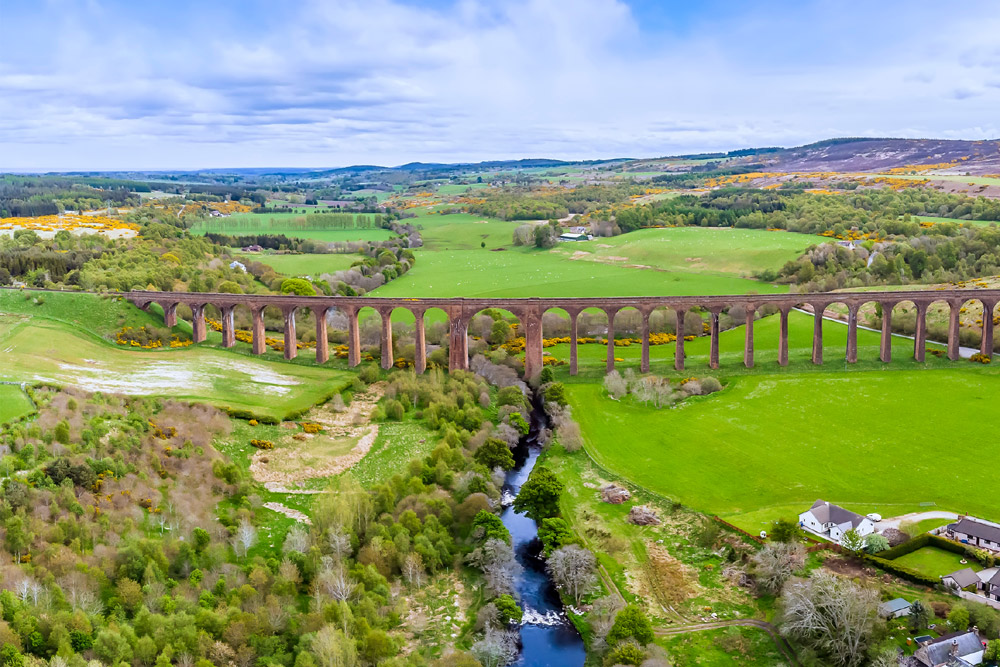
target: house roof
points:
(953, 645)
(976, 529)
(828, 513)
(892, 606)
(964, 577)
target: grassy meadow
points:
(290, 224)
(706, 250)
(769, 445)
(49, 351)
(14, 403)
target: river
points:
(548, 639)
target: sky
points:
(192, 84)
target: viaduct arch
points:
(529, 311)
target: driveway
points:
(913, 517)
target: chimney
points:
(954, 648)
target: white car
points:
(875, 517)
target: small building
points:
(573, 236)
(253, 248)
(238, 265)
(962, 579)
(955, 649)
(894, 608)
(977, 533)
(831, 521)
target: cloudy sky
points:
(183, 84)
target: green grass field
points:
(290, 224)
(99, 315)
(934, 562)
(591, 358)
(769, 445)
(14, 403)
(304, 265)
(42, 350)
(978, 223)
(706, 250)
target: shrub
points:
(394, 410)
(710, 385)
(370, 374)
(631, 623)
(626, 653)
(311, 427)
(262, 444)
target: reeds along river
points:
(547, 636)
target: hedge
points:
(922, 541)
(902, 572)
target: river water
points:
(548, 639)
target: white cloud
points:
(333, 83)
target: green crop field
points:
(719, 250)
(14, 403)
(305, 265)
(769, 445)
(42, 350)
(934, 562)
(289, 224)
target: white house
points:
(238, 265)
(832, 522)
(977, 532)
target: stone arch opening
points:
(502, 337)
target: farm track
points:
(783, 646)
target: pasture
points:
(14, 403)
(304, 226)
(716, 250)
(591, 358)
(41, 350)
(768, 446)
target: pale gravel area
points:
(289, 512)
(352, 423)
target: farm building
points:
(956, 649)
(832, 522)
(894, 608)
(978, 533)
(573, 236)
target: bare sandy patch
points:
(289, 512)
(280, 468)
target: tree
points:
(555, 533)
(784, 530)
(229, 287)
(296, 539)
(626, 653)
(508, 611)
(555, 392)
(920, 615)
(297, 286)
(992, 653)
(832, 615)
(775, 563)
(630, 623)
(615, 385)
(958, 618)
(853, 542)
(574, 569)
(497, 647)
(875, 543)
(500, 568)
(112, 647)
(491, 525)
(16, 537)
(494, 453)
(332, 648)
(413, 569)
(500, 333)
(245, 538)
(539, 496)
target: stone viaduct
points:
(529, 311)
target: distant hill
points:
(871, 154)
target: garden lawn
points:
(14, 403)
(934, 562)
(41, 350)
(768, 446)
(289, 225)
(305, 265)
